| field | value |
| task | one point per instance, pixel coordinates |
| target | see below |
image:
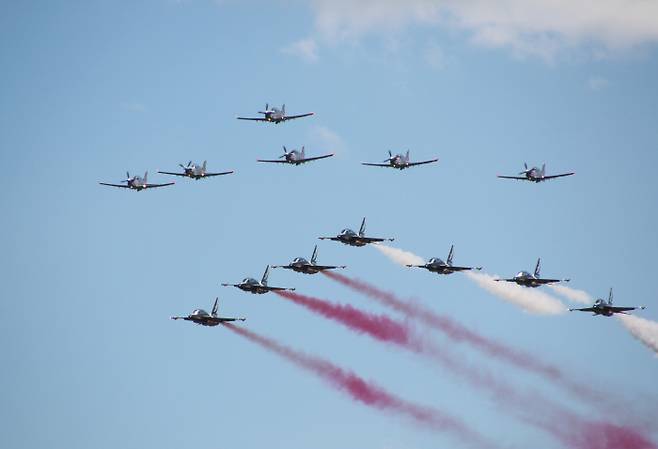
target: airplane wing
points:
(558, 176)
(226, 320)
(153, 186)
(520, 178)
(335, 239)
(417, 266)
(584, 309)
(276, 289)
(464, 268)
(218, 174)
(256, 119)
(374, 239)
(309, 159)
(549, 281)
(291, 117)
(412, 164)
(273, 161)
(372, 164)
(171, 173)
(505, 280)
(123, 186)
(615, 309)
(328, 267)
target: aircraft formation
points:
(348, 236)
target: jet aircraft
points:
(195, 171)
(200, 316)
(294, 157)
(526, 279)
(601, 307)
(275, 115)
(251, 285)
(535, 174)
(301, 265)
(136, 183)
(399, 161)
(436, 265)
(349, 237)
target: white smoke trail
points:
(530, 300)
(572, 294)
(642, 329)
(399, 256)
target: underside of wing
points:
(153, 186)
(171, 173)
(326, 267)
(584, 309)
(218, 174)
(292, 117)
(123, 186)
(309, 159)
(460, 268)
(273, 161)
(621, 309)
(546, 281)
(372, 164)
(413, 164)
(371, 239)
(255, 119)
(558, 176)
(520, 178)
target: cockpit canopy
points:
(200, 312)
(249, 281)
(599, 302)
(347, 231)
(436, 261)
(523, 274)
(300, 260)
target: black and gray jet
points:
(200, 316)
(605, 308)
(301, 265)
(251, 285)
(525, 279)
(349, 237)
(436, 265)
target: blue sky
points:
(92, 274)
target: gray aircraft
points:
(399, 161)
(200, 316)
(535, 174)
(605, 308)
(251, 285)
(136, 183)
(195, 171)
(436, 265)
(294, 157)
(349, 237)
(301, 265)
(275, 115)
(526, 279)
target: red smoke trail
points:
(367, 392)
(532, 407)
(460, 333)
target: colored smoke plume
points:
(399, 256)
(368, 393)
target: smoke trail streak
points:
(646, 331)
(399, 256)
(571, 293)
(385, 329)
(498, 350)
(368, 393)
(530, 300)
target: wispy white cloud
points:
(528, 27)
(306, 49)
(326, 140)
(434, 56)
(597, 83)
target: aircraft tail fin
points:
(283, 109)
(450, 254)
(265, 276)
(203, 167)
(215, 307)
(543, 169)
(303, 152)
(362, 229)
(538, 267)
(146, 175)
(315, 254)
(610, 297)
(406, 157)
